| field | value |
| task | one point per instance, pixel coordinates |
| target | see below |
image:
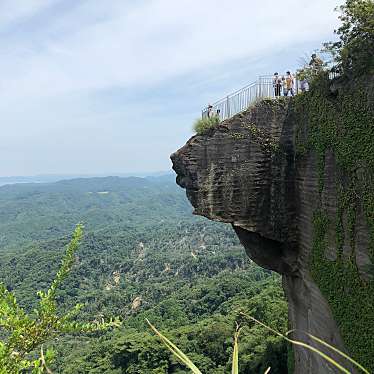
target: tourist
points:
(284, 85)
(289, 84)
(210, 111)
(316, 63)
(304, 85)
(277, 84)
(301, 76)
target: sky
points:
(114, 86)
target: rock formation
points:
(252, 171)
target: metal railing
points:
(242, 99)
(334, 74)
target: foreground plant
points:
(22, 334)
(311, 348)
(186, 361)
(235, 356)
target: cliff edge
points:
(294, 177)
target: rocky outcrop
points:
(246, 172)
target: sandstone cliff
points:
(294, 179)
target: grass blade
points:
(235, 353)
(42, 358)
(175, 350)
(337, 351)
(301, 344)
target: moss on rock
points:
(342, 122)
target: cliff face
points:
(283, 195)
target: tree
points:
(354, 49)
(22, 334)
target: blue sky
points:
(93, 86)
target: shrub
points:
(309, 73)
(202, 125)
(354, 48)
(22, 335)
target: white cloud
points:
(12, 11)
(58, 54)
(154, 41)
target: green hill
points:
(144, 256)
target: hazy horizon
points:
(89, 175)
(52, 178)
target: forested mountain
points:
(45, 211)
(144, 256)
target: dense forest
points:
(144, 256)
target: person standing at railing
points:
(210, 111)
(304, 85)
(289, 84)
(316, 63)
(284, 85)
(277, 84)
(301, 77)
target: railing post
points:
(228, 106)
(259, 87)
